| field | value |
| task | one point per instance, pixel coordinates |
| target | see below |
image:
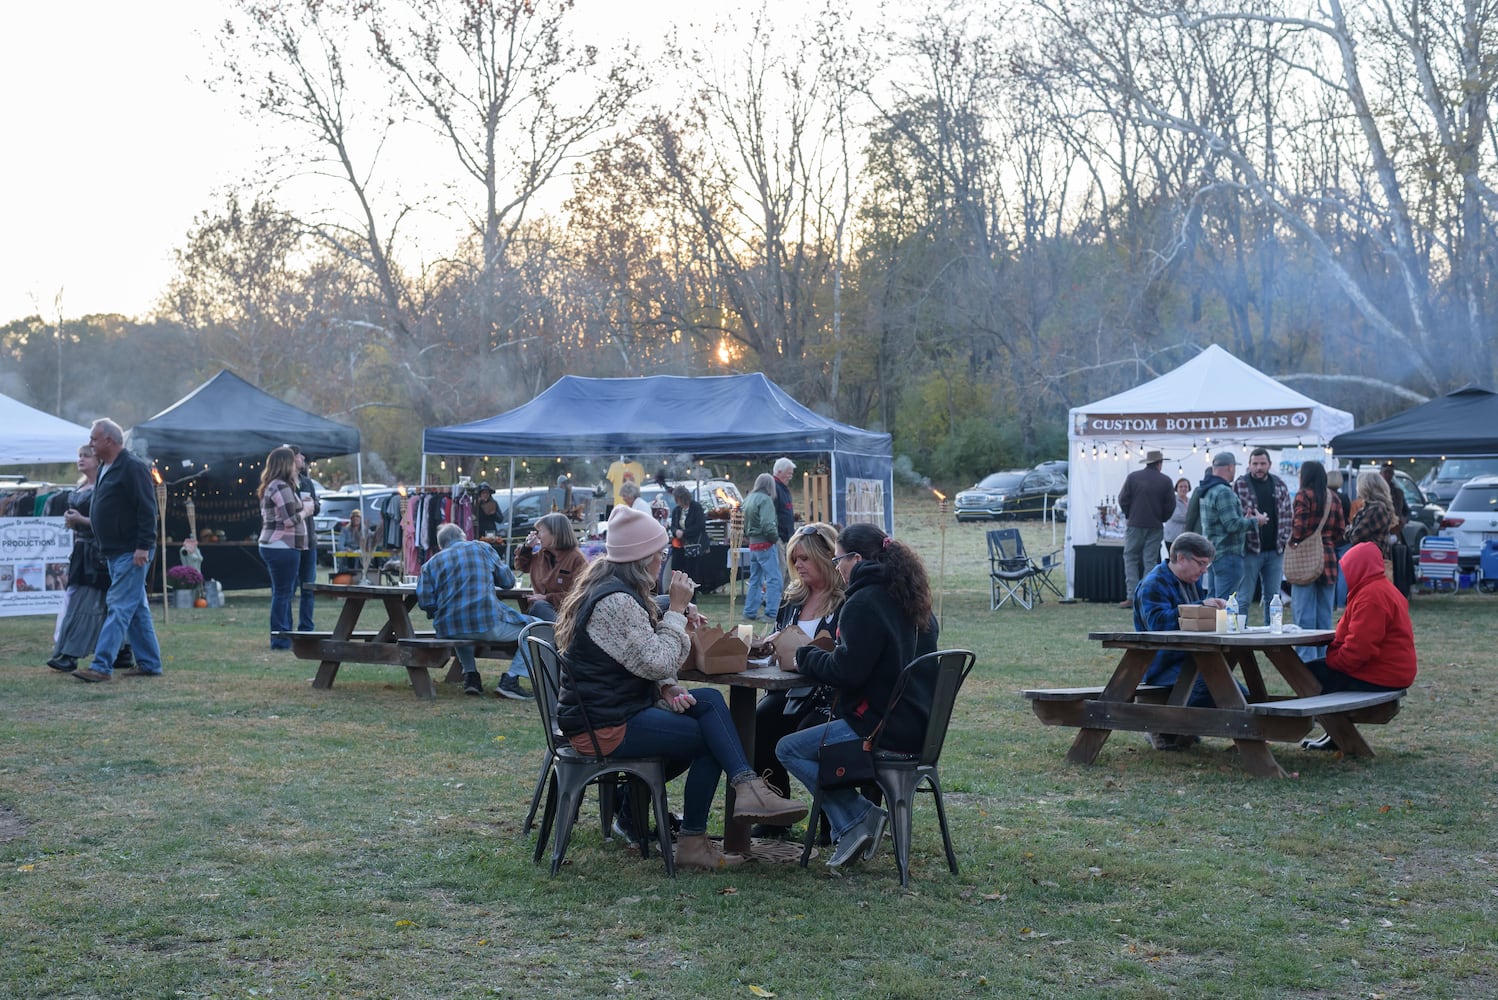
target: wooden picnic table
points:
(743, 695)
(1250, 722)
(418, 652)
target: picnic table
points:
(743, 691)
(1250, 722)
(396, 641)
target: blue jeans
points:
(1263, 568)
(306, 578)
(1312, 604)
(798, 752)
(285, 567)
(1227, 572)
(127, 616)
(765, 582)
(503, 632)
(705, 734)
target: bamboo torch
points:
(735, 539)
(941, 573)
(166, 603)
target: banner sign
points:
(1223, 424)
(33, 565)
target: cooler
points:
(1489, 563)
(1438, 563)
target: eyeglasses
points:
(845, 555)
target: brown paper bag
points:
(717, 652)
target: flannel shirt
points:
(1284, 512)
(1223, 520)
(1374, 522)
(457, 590)
(1156, 609)
(1308, 510)
(281, 516)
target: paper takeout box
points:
(717, 652)
(1197, 618)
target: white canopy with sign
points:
(1214, 402)
(33, 437)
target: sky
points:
(113, 143)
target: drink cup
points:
(1243, 623)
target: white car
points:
(1472, 519)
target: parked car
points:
(1011, 493)
(1448, 476)
(1472, 519)
(1425, 516)
(531, 504)
(333, 515)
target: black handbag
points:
(851, 761)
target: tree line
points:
(953, 224)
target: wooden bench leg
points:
(1346, 735)
(421, 682)
(1258, 760)
(454, 671)
(326, 671)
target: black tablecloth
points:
(1098, 573)
(235, 565)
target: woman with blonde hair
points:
(283, 537)
(1373, 519)
(809, 611)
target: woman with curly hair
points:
(885, 623)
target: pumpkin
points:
(201, 602)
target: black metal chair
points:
(572, 771)
(901, 775)
(1010, 575)
(548, 632)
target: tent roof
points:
(1214, 382)
(658, 414)
(35, 437)
(1464, 422)
(227, 417)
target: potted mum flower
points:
(185, 583)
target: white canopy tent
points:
(1212, 403)
(34, 437)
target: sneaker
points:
(138, 672)
(473, 683)
(509, 687)
(857, 841)
(89, 675)
(66, 664)
(1322, 742)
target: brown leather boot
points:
(698, 851)
(757, 800)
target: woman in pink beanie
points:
(622, 654)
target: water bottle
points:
(1277, 615)
(1233, 612)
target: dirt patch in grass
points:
(11, 826)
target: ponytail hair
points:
(904, 572)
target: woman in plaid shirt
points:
(1312, 602)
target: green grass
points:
(231, 832)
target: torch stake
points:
(735, 539)
(166, 615)
(941, 572)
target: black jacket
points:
(596, 691)
(691, 521)
(1148, 498)
(874, 643)
(785, 513)
(124, 508)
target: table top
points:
(767, 678)
(386, 590)
(1251, 640)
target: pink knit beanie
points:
(633, 535)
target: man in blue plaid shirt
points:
(457, 591)
(1157, 604)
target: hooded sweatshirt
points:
(1375, 641)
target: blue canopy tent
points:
(670, 415)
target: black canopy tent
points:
(1464, 423)
(673, 415)
(212, 445)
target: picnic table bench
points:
(1251, 722)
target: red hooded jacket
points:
(1375, 641)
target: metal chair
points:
(548, 632)
(901, 775)
(1010, 575)
(572, 771)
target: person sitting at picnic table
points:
(620, 696)
(885, 623)
(551, 556)
(456, 589)
(1374, 648)
(810, 610)
(1157, 609)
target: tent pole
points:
(510, 530)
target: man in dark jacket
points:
(785, 513)
(124, 522)
(1148, 499)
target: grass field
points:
(228, 831)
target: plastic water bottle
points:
(1233, 612)
(1277, 615)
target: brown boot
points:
(757, 800)
(698, 851)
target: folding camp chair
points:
(1043, 569)
(1010, 575)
